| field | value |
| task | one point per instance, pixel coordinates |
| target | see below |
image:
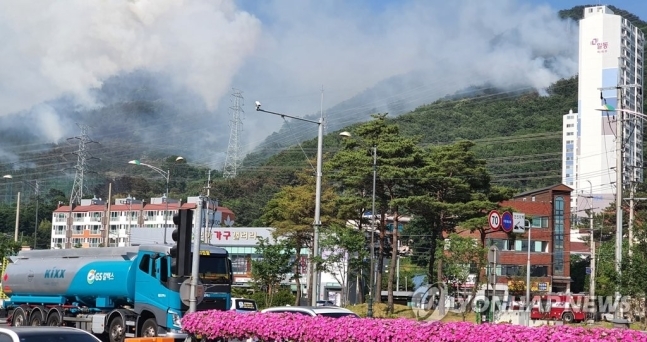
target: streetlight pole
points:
(317, 219)
(167, 176)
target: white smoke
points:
(51, 48)
(280, 52)
(348, 46)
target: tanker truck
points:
(115, 292)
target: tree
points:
(344, 253)
(8, 246)
(461, 253)
(397, 159)
(452, 187)
(272, 266)
(290, 212)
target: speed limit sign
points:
(495, 220)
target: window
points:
(540, 222)
(569, 142)
(538, 271)
(240, 264)
(164, 269)
(569, 133)
(509, 270)
(144, 264)
(570, 125)
(558, 236)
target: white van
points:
(243, 305)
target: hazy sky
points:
(280, 52)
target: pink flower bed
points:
(297, 328)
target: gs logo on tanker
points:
(93, 276)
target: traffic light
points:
(181, 250)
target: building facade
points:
(95, 223)
(547, 213)
(611, 56)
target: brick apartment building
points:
(548, 212)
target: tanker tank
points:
(95, 277)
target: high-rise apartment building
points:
(611, 56)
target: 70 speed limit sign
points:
(494, 218)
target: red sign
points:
(219, 235)
(235, 235)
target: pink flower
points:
(293, 327)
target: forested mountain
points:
(518, 132)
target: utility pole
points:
(15, 237)
(619, 174)
(592, 242)
(630, 227)
(195, 263)
(37, 190)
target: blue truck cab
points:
(117, 292)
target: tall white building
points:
(611, 54)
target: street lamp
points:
(317, 220)
(15, 236)
(369, 310)
(167, 175)
(8, 198)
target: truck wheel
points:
(36, 318)
(54, 320)
(116, 331)
(18, 318)
(568, 317)
(149, 328)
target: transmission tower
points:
(83, 156)
(233, 161)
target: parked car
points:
(45, 334)
(243, 305)
(325, 303)
(325, 311)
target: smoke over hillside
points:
(132, 68)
